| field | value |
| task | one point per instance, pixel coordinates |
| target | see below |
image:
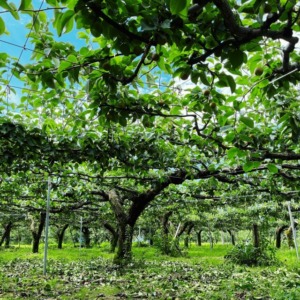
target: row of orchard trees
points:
(176, 213)
(163, 228)
(171, 100)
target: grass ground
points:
(89, 274)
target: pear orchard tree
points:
(100, 89)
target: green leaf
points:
(230, 136)
(250, 165)
(176, 6)
(63, 66)
(47, 79)
(247, 121)
(5, 5)
(231, 83)
(2, 26)
(235, 152)
(284, 118)
(263, 83)
(63, 20)
(25, 4)
(225, 81)
(176, 110)
(236, 58)
(232, 153)
(272, 168)
(203, 78)
(72, 58)
(10, 8)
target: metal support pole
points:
(139, 236)
(47, 226)
(293, 229)
(80, 234)
(175, 236)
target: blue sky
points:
(13, 42)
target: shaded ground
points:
(152, 276)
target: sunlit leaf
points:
(177, 6)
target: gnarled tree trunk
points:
(126, 222)
(125, 230)
(126, 218)
(232, 237)
(86, 235)
(36, 231)
(278, 233)
(124, 252)
(165, 241)
(114, 236)
(199, 240)
(6, 235)
(60, 235)
(188, 234)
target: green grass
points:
(195, 254)
(288, 257)
(89, 274)
(68, 253)
(204, 253)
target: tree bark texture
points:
(255, 235)
(165, 239)
(6, 235)
(278, 233)
(60, 235)
(199, 240)
(124, 252)
(232, 237)
(37, 231)
(188, 234)
(87, 236)
(113, 238)
(125, 229)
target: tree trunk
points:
(199, 240)
(60, 235)
(35, 242)
(232, 237)
(183, 228)
(7, 238)
(187, 238)
(6, 235)
(114, 236)
(125, 229)
(124, 252)
(151, 243)
(37, 232)
(165, 240)
(126, 218)
(278, 233)
(86, 235)
(255, 235)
